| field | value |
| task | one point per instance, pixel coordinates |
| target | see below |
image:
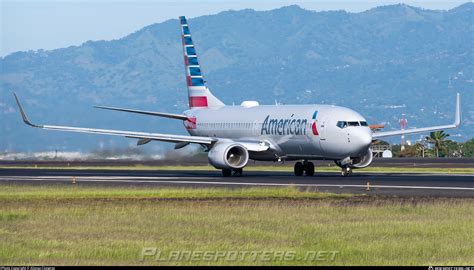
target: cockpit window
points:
(342, 124)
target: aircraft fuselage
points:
(293, 131)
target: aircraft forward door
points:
(322, 132)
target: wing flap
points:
(133, 134)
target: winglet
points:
(23, 114)
(457, 116)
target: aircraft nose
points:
(362, 139)
(366, 137)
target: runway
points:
(391, 184)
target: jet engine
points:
(227, 155)
(362, 161)
(357, 162)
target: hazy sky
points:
(31, 25)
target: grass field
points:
(76, 225)
(283, 168)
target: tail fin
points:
(198, 93)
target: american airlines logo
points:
(283, 126)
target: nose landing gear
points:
(232, 172)
(346, 171)
(238, 172)
(305, 167)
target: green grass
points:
(283, 168)
(74, 225)
(11, 193)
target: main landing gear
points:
(346, 171)
(305, 167)
(232, 172)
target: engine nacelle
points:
(357, 162)
(362, 161)
(226, 155)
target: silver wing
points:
(160, 114)
(128, 134)
(145, 137)
(457, 123)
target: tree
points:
(420, 149)
(468, 148)
(453, 148)
(437, 139)
(409, 151)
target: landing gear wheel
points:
(299, 169)
(309, 169)
(226, 172)
(238, 172)
(346, 171)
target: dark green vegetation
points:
(383, 62)
(468, 148)
(59, 225)
(436, 145)
(438, 140)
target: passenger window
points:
(342, 124)
(353, 124)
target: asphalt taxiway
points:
(391, 184)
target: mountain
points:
(382, 62)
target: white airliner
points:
(234, 134)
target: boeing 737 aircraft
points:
(234, 134)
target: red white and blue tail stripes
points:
(199, 95)
(194, 79)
